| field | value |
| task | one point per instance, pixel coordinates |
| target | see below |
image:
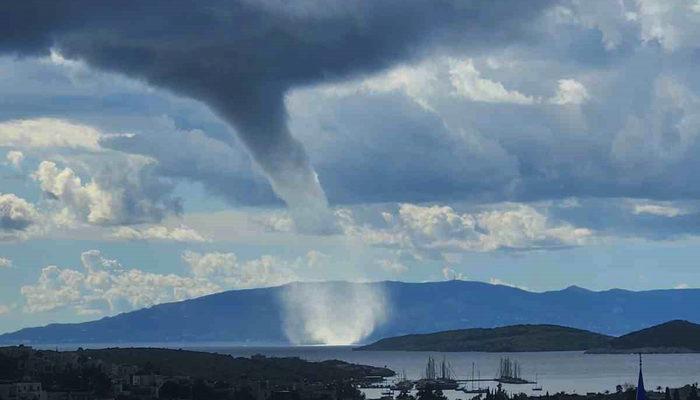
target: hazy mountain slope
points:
(245, 315)
(504, 339)
(258, 315)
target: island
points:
(677, 336)
(515, 338)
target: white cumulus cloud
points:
(226, 269)
(437, 231)
(17, 217)
(426, 82)
(48, 132)
(14, 158)
(570, 91)
(103, 286)
(392, 266)
(158, 232)
(468, 82)
(317, 259)
(451, 275)
(124, 193)
(657, 209)
(497, 281)
(5, 262)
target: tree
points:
(201, 391)
(97, 381)
(345, 390)
(174, 390)
(498, 394)
(9, 368)
(404, 395)
(676, 395)
(429, 393)
(243, 393)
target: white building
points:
(22, 391)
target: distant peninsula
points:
(516, 338)
(676, 336)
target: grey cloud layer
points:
(241, 57)
(506, 131)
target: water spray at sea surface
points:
(337, 313)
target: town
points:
(144, 374)
(150, 373)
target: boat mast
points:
(472, 376)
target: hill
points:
(671, 337)
(262, 316)
(219, 366)
(504, 339)
(194, 364)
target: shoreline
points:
(643, 350)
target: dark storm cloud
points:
(241, 57)
(387, 148)
(224, 170)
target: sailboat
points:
(474, 389)
(403, 383)
(537, 387)
(443, 381)
(510, 372)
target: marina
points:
(570, 372)
(510, 372)
(441, 376)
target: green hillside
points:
(516, 338)
(205, 365)
(676, 336)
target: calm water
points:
(556, 371)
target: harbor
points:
(440, 375)
(570, 372)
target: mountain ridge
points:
(260, 316)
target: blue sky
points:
(542, 147)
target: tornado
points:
(240, 57)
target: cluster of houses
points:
(124, 381)
(33, 364)
(47, 375)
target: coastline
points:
(643, 350)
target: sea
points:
(571, 372)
